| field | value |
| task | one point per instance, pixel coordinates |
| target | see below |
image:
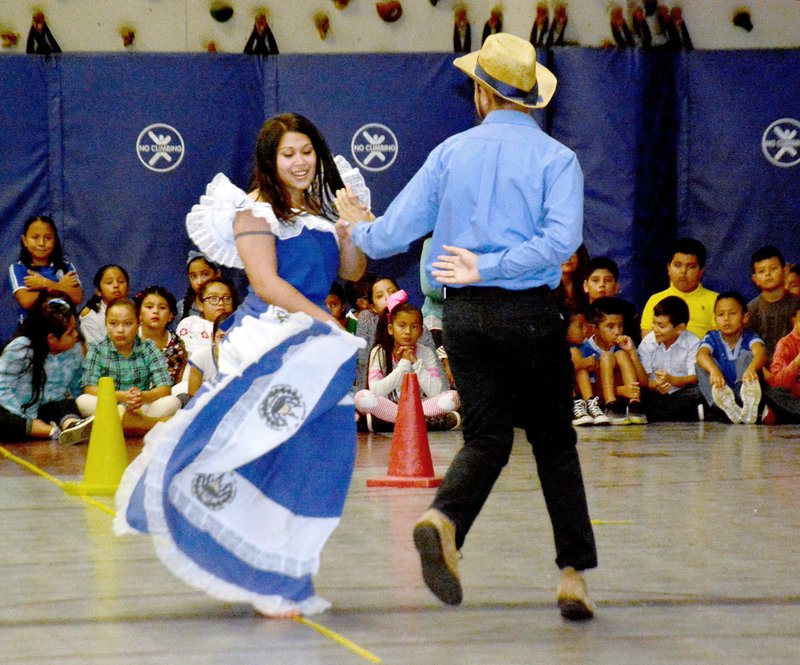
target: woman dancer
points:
(243, 486)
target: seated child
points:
(217, 296)
(396, 353)
(199, 269)
(357, 293)
(378, 293)
(602, 280)
(617, 364)
(204, 365)
(157, 308)
(42, 267)
(685, 270)
(40, 371)
(110, 282)
(586, 406)
(335, 304)
(770, 313)
(139, 370)
(668, 355)
(782, 393)
(792, 279)
(729, 360)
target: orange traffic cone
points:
(410, 462)
(107, 457)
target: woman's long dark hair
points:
(51, 313)
(319, 196)
(56, 256)
(94, 302)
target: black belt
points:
(493, 292)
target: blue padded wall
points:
(670, 144)
(732, 197)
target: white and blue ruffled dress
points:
(241, 489)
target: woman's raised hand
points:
(350, 210)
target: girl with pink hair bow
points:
(396, 353)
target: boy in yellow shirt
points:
(685, 269)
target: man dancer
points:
(505, 204)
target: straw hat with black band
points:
(507, 66)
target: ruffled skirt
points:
(241, 489)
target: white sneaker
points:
(751, 398)
(78, 432)
(580, 416)
(594, 410)
(726, 400)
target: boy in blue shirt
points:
(729, 360)
(602, 279)
(616, 378)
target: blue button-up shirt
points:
(504, 190)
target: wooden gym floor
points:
(697, 526)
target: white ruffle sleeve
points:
(210, 222)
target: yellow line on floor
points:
(610, 522)
(339, 639)
(35, 469)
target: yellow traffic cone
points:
(107, 457)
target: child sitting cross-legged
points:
(39, 374)
(586, 408)
(729, 360)
(668, 354)
(602, 280)
(397, 353)
(377, 297)
(617, 365)
(139, 370)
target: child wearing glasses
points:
(217, 296)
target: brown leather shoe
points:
(435, 539)
(573, 596)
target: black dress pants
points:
(508, 349)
